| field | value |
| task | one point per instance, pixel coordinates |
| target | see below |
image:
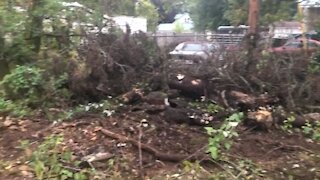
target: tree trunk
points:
(36, 25)
(4, 66)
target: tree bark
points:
(36, 26)
(4, 66)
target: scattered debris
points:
(312, 118)
(89, 159)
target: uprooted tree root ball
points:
(111, 64)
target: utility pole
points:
(303, 27)
(253, 16)
(253, 33)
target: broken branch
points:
(159, 155)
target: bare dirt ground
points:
(255, 155)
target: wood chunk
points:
(155, 98)
(243, 99)
(261, 119)
(188, 86)
(248, 101)
(132, 96)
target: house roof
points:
(166, 27)
(178, 16)
(287, 24)
(309, 3)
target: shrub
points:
(23, 83)
(49, 160)
(222, 137)
(26, 88)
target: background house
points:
(311, 11)
(136, 24)
(285, 29)
(182, 24)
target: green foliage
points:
(312, 131)
(22, 89)
(146, 9)
(222, 137)
(178, 27)
(23, 82)
(237, 12)
(104, 108)
(271, 11)
(26, 88)
(287, 124)
(14, 47)
(208, 14)
(314, 65)
(48, 160)
(207, 107)
(13, 108)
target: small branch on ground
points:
(57, 124)
(157, 154)
(140, 153)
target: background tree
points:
(14, 48)
(146, 9)
(237, 12)
(168, 9)
(208, 14)
(271, 11)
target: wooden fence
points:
(167, 39)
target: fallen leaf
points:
(8, 167)
(14, 128)
(23, 129)
(26, 173)
(8, 123)
(24, 168)
(25, 122)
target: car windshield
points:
(193, 47)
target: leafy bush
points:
(312, 131)
(23, 82)
(26, 88)
(314, 66)
(48, 160)
(207, 107)
(221, 138)
(14, 109)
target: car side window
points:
(312, 44)
(293, 45)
